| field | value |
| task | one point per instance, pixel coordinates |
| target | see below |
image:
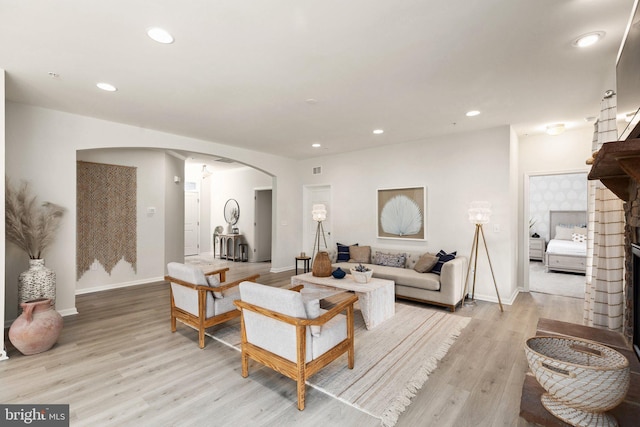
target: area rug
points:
(555, 283)
(393, 361)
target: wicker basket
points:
(583, 379)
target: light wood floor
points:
(117, 364)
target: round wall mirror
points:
(231, 212)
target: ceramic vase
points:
(338, 273)
(38, 327)
(37, 282)
(321, 265)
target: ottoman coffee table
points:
(375, 298)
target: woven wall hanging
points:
(106, 209)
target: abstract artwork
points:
(402, 213)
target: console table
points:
(376, 298)
(226, 252)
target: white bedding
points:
(566, 247)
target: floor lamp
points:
(319, 213)
(479, 214)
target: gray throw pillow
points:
(426, 263)
(390, 260)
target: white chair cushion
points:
(333, 332)
(187, 273)
(187, 299)
(271, 334)
(311, 297)
(214, 281)
(225, 304)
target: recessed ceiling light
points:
(311, 101)
(378, 131)
(160, 35)
(472, 113)
(555, 129)
(588, 39)
(316, 145)
(106, 86)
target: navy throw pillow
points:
(343, 252)
(442, 258)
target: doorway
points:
(555, 191)
(263, 225)
(191, 223)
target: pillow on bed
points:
(580, 230)
(578, 238)
(563, 233)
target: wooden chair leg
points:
(301, 355)
(173, 323)
(201, 337)
(301, 390)
(245, 365)
(351, 353)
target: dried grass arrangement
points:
(31, 227)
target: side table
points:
(305, 263)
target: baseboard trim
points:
(68, 312)
(118, 285)
(281, 269)
(509, 300)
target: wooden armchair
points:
(292, 335)
(201, 299)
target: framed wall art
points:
(402, 213)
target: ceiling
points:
(242, 72)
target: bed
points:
(567, 249)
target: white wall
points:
(173, 210)
(3, 354)
(41, 147)
(239, 184)
(150, 171)
(545, 154)
(456, 169)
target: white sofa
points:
(445, 289)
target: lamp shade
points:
(479, 212)
(319, 212)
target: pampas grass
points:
(31, 227)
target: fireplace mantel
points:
(616, 164)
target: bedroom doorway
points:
(548, 194)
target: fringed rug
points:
(393, 361)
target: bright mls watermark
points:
(34, 415)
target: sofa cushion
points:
(361, 254)
(390, 260)
(442, 258)
(426, 263)
(408, 277)
(343, 252)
